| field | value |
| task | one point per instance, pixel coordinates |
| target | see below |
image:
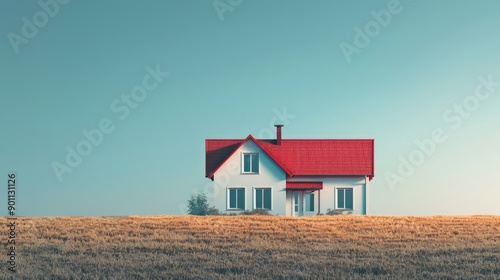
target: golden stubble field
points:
(256, 247)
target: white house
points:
(292, 177)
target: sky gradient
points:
(428, 69)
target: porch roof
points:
(304, 185)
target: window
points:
(250, 163)
(310, 201)
(236, 198)
(345, 199)
(296, 201)
(263, 198)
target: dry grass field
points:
(256, 247)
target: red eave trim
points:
(304, 185)
(250, 137)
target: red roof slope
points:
(341, 157)
(217, 151)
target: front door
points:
(298, 203)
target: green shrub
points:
(198, 205)
(338, 212)
(262, 212)
(212, 211)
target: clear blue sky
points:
(229, 72)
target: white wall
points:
(270, 175)
(230, 175)
(328, 194)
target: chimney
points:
(278, 133)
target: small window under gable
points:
(250, 163)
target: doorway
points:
(298, 203)
(303, 203)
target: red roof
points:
(217, 151)
(304, 185)
(338, 157)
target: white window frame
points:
(353, 198)
(243, 162)
(228, 198)
(255, 197)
